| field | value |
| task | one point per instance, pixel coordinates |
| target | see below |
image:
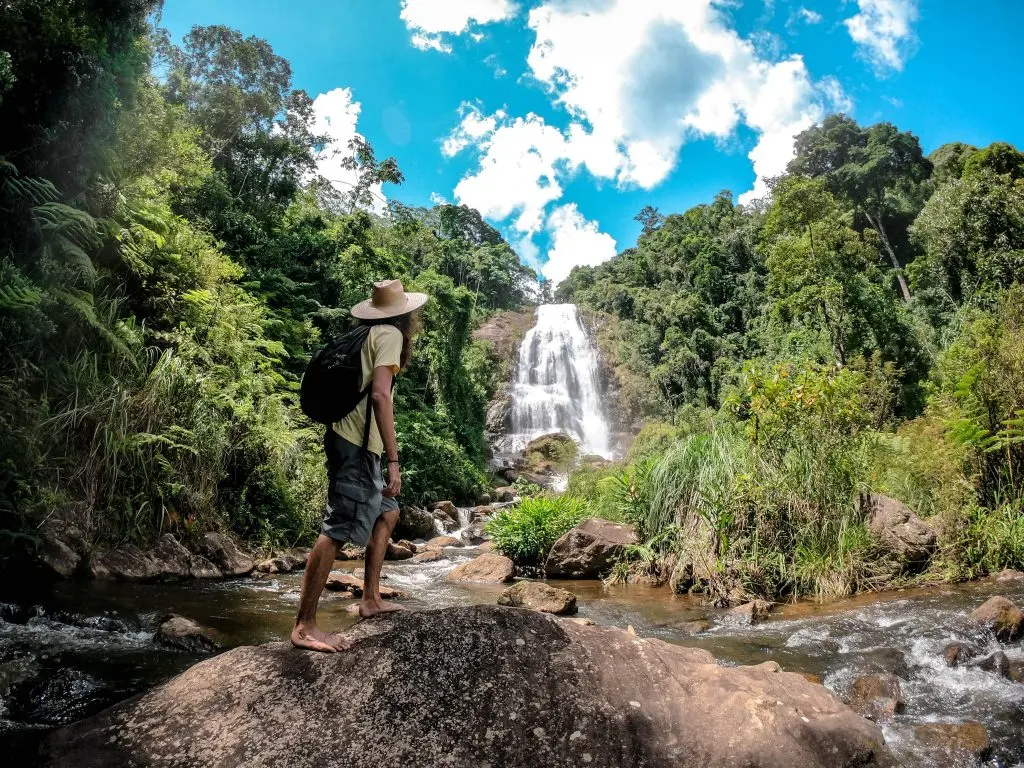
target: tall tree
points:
(873, 168)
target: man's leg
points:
(306, 633)
(372, 604)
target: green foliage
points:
(527, 531)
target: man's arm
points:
(384, 413)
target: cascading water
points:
(557, 384)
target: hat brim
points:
(365, 310)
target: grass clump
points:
(527, 531)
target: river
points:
(69, 649)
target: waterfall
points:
(556, 387)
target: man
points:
(361, 509)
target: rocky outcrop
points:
(184, 635)
(488, 568)
(167, 559)
(905, 536)
(538, 596)
(225, 555)
(951, 744)
(413, 692)
(1002, 617)
(589, 550)
(62, 547)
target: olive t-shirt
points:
(383, 349)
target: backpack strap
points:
(369, 412)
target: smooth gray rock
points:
(589, 550)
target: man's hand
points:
(394, 486)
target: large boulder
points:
(488, 568)
(538, 596)
(223, 553)
(589, 550)
(412, 692)
(126, 563)
(440, 542)
(877, 697)
(1001, 616)
(166, 559)
(413, 523)
(899, 531)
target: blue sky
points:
(560, 119)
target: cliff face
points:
(505, 332)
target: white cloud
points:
(432, 21)
(336, 115)
(808, 16)
(884, 31)
(438, 199)
(473, 127)
(574, 242)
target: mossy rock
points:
(554, 452)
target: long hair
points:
(409, 324)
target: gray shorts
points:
(354, 499)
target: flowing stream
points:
(557, 386)
(71, 649)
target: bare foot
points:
(315, 639)
(368, 608)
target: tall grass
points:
(527, 531)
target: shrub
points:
(527, 531)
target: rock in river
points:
(413, 692)
(185, 635)
(539, 596)
(489, 568)
(897, 529)
(589, 550)
(1001, 616)
(223, 553)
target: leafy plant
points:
(527, 531)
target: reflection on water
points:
(71, 649)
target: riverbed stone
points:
(447, 507)
(505, 493)
(474, 534)
(351, 552)
(440, 542)
(997, 663)
(749, 614)
(538, 596)
(1002, 617)
(877, 697)
(274, 565)
(338, 581)
(128, 563)
(396, 551)
(413, 523)
(958, 654)
(570, 696)
(184, 634)
(906, 537)
(954, 743)
(222, 551)
(1009, 575)
(589, 550)
(58, 556)
(488, 568)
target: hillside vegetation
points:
(860, 330)
(169, 260)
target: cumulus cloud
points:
(884, 30)
(336, 115)
(574, 242)
(432, 22)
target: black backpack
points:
(332, 385)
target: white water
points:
(556, 387)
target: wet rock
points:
(505, 493)
(440, 542)
(274, 565)
(693, 627)
(481, 513)
(225, 555)
(484, 500)
(489, 567)
(399, 552)
(899, 531)
(124, 564)
(13, 613)
(171, 557)
(552, 693)
(347, 582)
(953, 744)
(431, 556)
(351, 552)
(888, 660)
(997, 663)
(582, 621)
(1009, 575)
(413, 523)
(447, 507)
(487, 546)
(589, 550)
(750, 613)
(1002, 617)
(1017, 671)
(410, 545)
(538, 596)
(957, 654)
(296, 558)
(63, 697)
(446, 521)
(184, 634)
(58, 556)
(474, 534)
(876, 697)
(811, 677)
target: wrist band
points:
(393, 461)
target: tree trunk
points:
(877, 224)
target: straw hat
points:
(389, 299)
